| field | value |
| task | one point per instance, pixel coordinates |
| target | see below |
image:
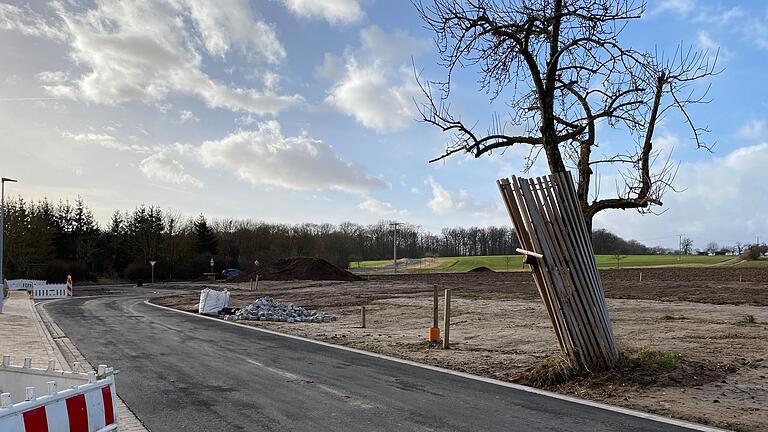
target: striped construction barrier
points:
(52, 291)
(23, 284)
(74, 401)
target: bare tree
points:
(560, 69)
(712, 247)
(686, 245)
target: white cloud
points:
(366, 94)
(26, 21)
(161, 167)
(234, 25)
(721, 200)
(106, 141)
(185, 116)
(378, 88)
(752, 130)
(682, 7)
(332, 68)
(444, 202)
(381, 208)
(665, 144)
(391, 48)
(263, 156)
(144, 51)
(334, 11)
(705, 42)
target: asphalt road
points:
(185, 373)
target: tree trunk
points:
(588, 216)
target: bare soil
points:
(500, 329)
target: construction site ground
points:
(715, 318)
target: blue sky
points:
(301, 111)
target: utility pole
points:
(680, 257)
(2, 244)
(394, 226)
(2, 223)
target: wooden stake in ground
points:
(447, 320)
(362, 316)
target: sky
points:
(303, 111)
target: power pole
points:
(680, 257)
(2, 225)
(394, 226)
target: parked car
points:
(230, 273)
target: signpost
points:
(152, 263)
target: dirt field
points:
(500, 329)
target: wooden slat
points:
(549, 223)
(530, 242)
(584, 238)
(567, 296)
(593, 315)
(558, 285)
(522, 237)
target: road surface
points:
(186, 373)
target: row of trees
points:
(50, 240)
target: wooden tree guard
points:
(552, 233)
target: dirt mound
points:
(300, 268)
(481, 269)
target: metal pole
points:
(2, 244)
(394, 226)
(394, 248)
(2, 240)
(2, 229)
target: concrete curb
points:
(43, 329)
(626, 411)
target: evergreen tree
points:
(205, 238)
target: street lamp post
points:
(152, 263)
(2, 244)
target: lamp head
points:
(10, 180)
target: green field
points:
(514, 262)
(761, 263)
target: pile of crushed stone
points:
(300, 268)
(269, 309)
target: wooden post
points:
(447, 320)
(434, 308)
(257, 283)
(251, 285)
(641, 276)
(362, 316)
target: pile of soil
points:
(481, 269)
(300, 268)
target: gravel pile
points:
(269, 309)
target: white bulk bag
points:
(212, 301)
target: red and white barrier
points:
(52, 291)
(88, 404)
(23, 284)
